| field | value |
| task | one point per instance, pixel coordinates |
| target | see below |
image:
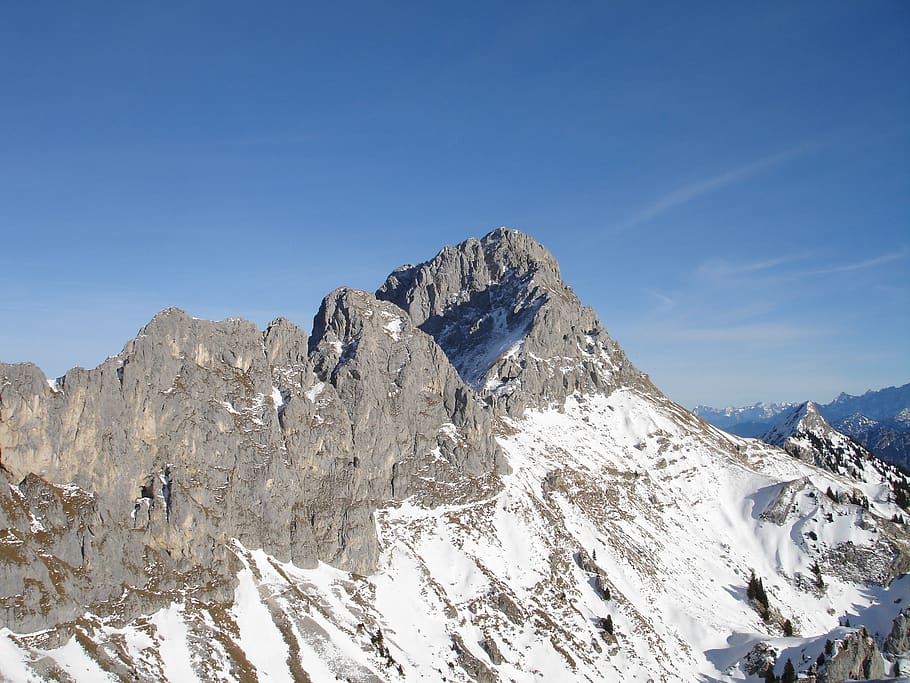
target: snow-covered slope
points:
(805, 434)
(626, 494)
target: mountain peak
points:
(512, 328)
(800, 419)
(809, 408)
(176, 509)
(519, 248)
(805, 434)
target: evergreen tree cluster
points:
(756, 593)
(788, 676)
(901, 490)
(817, 571)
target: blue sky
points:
(727, 184)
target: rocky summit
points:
(461, 477)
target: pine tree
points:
(789, 675)
(788, 628)
(769, 675)
(829, 647)
(761, 596)
(821, 659)
(608, 625)
(819, 582)
(755, 591)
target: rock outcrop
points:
(857, 657)
(199, 432)
(898, 641)
(509, 324)
(162, 515)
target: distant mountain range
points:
(879, 420)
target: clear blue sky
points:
(727, 184)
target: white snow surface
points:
(394, 326)
(314, 391)
(259, 637)
(277, 398)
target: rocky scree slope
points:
(460, 478)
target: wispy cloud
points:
(665, 303)
(862, 265)
(777, 270)
(722, 269)
(761, 333)
(691, 191)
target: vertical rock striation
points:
(511, 327)
(199, 432)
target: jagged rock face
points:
(199, 432)
(857, 657)
(175, 439)
(509, 324)
(617, 548)
(286, 344)
(409, 410)
(898, 640)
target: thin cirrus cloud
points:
(763, 333)
(665, 303)
(862, 265)
(687, 193)
(761, 272)
(726, 270)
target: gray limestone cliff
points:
(130, 479)
(857, 658)
(511, 327)
(126, 483)
(898, 641)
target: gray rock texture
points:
(898, 641)
(200, 431)
(857, 657)
(509, 324)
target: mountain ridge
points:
(461, 477)
(877, 419)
